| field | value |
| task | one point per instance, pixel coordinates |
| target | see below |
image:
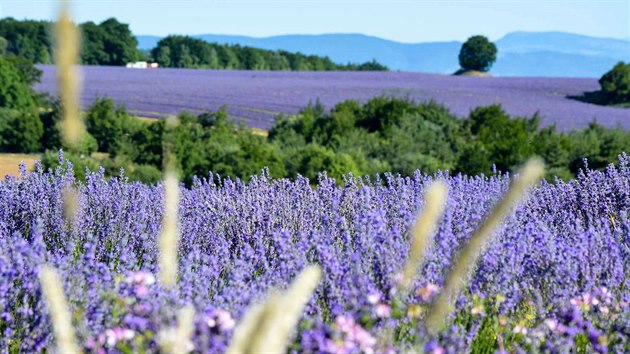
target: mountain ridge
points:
(521, 53)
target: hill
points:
(520, 53)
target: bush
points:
(145, 173)
(21, 131)
(477, 53)
(106, 123)
(79, 163)
(15, 92)
(51, 139)
(616, 84)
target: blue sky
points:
(401, 20)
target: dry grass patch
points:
(10, 163)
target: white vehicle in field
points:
(142, 65)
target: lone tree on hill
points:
(477, 53)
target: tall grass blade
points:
(422, 231)
(66, 54)
(266, 328)
(57, 305)
(531, 173)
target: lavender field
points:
(555, 277)
(258, 97)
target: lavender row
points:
(171, 91)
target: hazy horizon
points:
(369, 35)
(401, 21)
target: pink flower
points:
(338, 347)
(520, 329)
(354, 336)
(140, 278)
(117, 334)
(427, 292)
(477, 310)
(374, 298)
(344, 323)
(364, 339)
(438, 350)
(383, 310)
(221, 319)
(141, 290)
(552, 323)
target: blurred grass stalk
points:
(51, 285)
(169, 236)
(67, 52)
(422, 232)
(531, 173)
(266, 328)
(179, 339)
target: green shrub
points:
(15, 92)
(616, 83)
(21, 131)
(79, 162)
(145, 173)
(51, 139)
(106, 123)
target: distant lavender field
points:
(258, 97)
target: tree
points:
(93, 52)
(3, 45)
(185, 59)
(477, 53)
(616, 83)
(52, 140)
(26, 38)
(15, 92)
(278, 62)
(120, 43)
(29, 74)
(108, 43)
(106, 123)
(213, 59)
(163, 56)
(22, 130)
(20, 127)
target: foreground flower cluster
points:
(553, 279)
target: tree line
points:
(188, 52)
(112, 43)
(107, 43)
